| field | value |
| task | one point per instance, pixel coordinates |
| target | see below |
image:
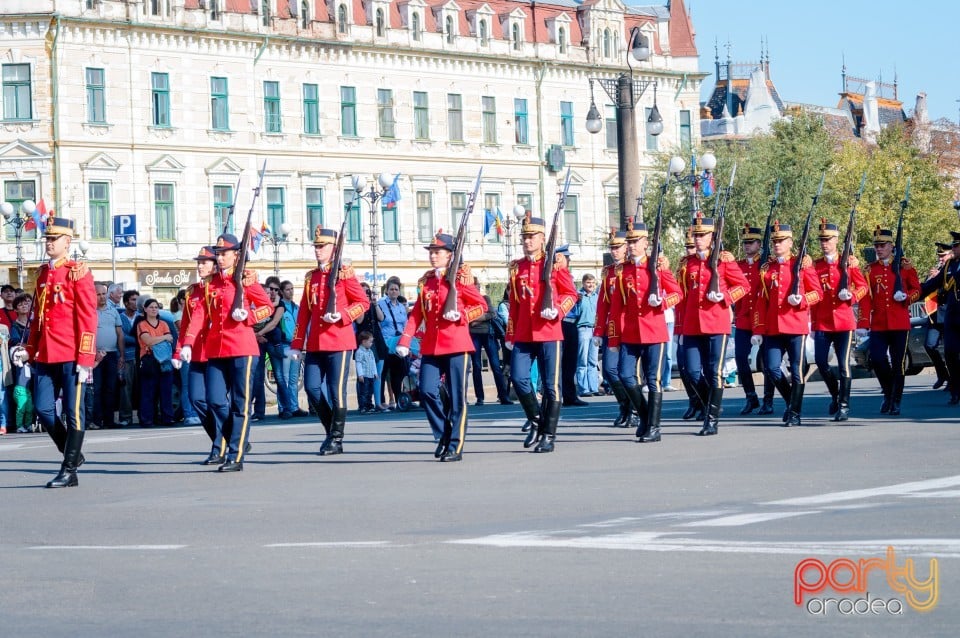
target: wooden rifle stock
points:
(798, 264)
(546, 277)
(245, 246)
(848, 239)
(334, 275)
(456, 259)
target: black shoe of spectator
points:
(286, 415)
(300, 413)
(506, 402)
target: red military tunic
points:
(773, 314)
(878, 310)
(609, 285)
(525, 325)
(65, 315)
(833, 314)
(743, 309)
(641, 323)
(224, 336)
(352, 302)
(441, 336)
(701, 316)
(196, 295)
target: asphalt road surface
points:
(605, 537)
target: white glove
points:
(715, 297)
(794, 300)
(899, 296)
(549, 314)
(844, 295)
(654, 300)
(756, 340)
(19, 356)
(186, 353)
(331, 317)
(84, 373)
(402, 351)
(862, 332)
(176, 363)
(293, 354)
(239, 315)
(508, 345)
(597, 341)
(452, 315)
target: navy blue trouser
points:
(650, 357)
(49, 381)
(325, 378)
(703, 356)
(488, 343)
(547, 355)
(894, 341)
(775, 347)
(841, 342)
(741, 349)
(197, 382)
(568, 360)
(228, 382)
(454, 368)
(610, 362)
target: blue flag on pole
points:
(392, 196)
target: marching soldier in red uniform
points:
(707, 317)
(445, 346)
(609, 285)
(833, 321)
(638, 329)
(62, 346)
(328, 338)
(197, 368)
(886, 312)
(750, 238)
(782, 320)
(695, 409)
(535, 333)
(230, 346)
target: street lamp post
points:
(625, 92)
(276, 239)
(18, 221)
(708, 161)
(373, 195)
(83, 246)
(519, 212)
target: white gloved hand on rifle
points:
(84, 373)
(794, 300)
(331, 317)
(452, 315)
(19, 356)
(239, 315)
(654, 300)
(186, 353)
(549, 314)
(715, 297)
(756, 340)
(403, 351)
(844, 295)
(899, 296)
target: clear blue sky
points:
(809, 38)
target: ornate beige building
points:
(158, 108)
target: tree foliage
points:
(798, 151)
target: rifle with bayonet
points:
(798, 264)
(337, 260)
(655, 241)
(720, 214)
(546, 277)
(898, 243)
(245, 246)
(638, 216)
(456, 259)
(765, 247)
(233, 205)
(844, 282)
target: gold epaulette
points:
(905, 263)
(806, 262)
(465, 275)
(78, 270)
(347, 271)
(727, 256)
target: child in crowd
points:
(366, 372)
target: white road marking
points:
(111, 547)
(939, 494)
(745, 519)
(659, 542)
(333, 544)
(900, 489)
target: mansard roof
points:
(738, 94)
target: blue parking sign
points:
(124, 231)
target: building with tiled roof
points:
(157, 108)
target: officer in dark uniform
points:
(695, 409)
(886, 312)
(328, 338)
(750, 238)
(445, 346)
(62, 346)
(534, 333)
(948, 280)
(936, 316)
(231, 348)
(571, 340)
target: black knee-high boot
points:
(843, 401)
(71, 457)
(651, 432)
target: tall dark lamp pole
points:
(625, 92)
(280, 237)
(373, 195)
(17, 220)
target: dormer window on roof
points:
(305, 14)
(513, 24)
(380, 24)
(342, 17)
(415, 26)
(482, 33)
(448, 29)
